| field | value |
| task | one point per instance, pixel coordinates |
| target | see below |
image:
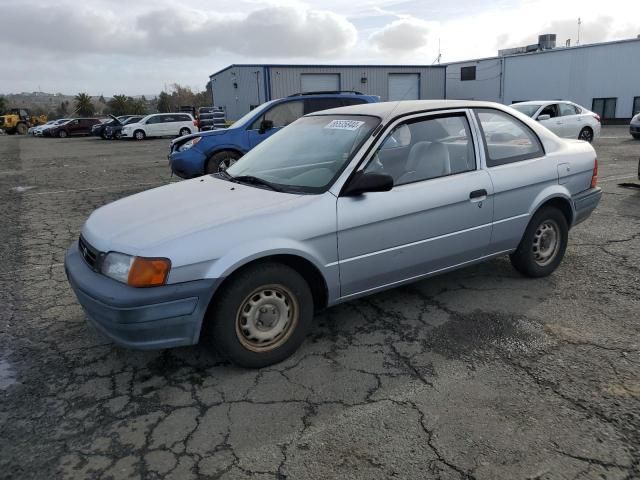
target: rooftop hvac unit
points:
(547, 41)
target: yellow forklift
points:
(19, 120)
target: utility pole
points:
(579, 25)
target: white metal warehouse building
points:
(603, 77)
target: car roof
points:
(541, 102)
(406, 107)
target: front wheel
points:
(118, 135)
(261, 316)
(543, 245)
(63, 134)
(139, 135)
(586, 134)
(221, 161)
(636, 136)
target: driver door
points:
(437, 215)
(281, 115)
(555, 123)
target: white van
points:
(161, 125)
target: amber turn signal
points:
(148, 272)
(594, 175)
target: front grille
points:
(89, 254)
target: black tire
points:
(117, 135)
(239, 307)
(22, 129)
(139, 135)
(63, 134)
(221, 161)
(586, 134)
(636, 136)
(531, 258)
(184, 131)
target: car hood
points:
(208, 133)
(132, 125)
(155, 217)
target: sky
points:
(140, 47)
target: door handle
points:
(478, 194)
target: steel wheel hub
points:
(226, 163)
(546, 242)
(266, 318)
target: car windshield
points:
(248, 116)
(307, 156)
(528, 110)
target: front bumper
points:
(585, 203)
(634, 128)
(141, 318)
(187, 164)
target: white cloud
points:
(401, 36)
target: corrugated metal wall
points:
(486, 86)
(577, 74)
(238, 100)
(285, 80)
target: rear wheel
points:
(139, 135)
(118, 135)
(63, 134)
(184, 131)
(586, 134)
(221, 161)
(261, 316)
(543, 245)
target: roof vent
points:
(547, 41)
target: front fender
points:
(262, 249)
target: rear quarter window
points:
(506, 139)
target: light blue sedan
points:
(340, 204)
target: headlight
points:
(136, 271)
(188, 144)
(636, 118)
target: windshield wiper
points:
(250, 179)
(223, 174)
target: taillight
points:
(195, 123)
(594, 175)
(597, 117)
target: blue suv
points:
(215, 150)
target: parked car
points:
(340, 204)
(39, 130)
(32, 130)
(115, 131)
(160, 125)
(99, 129)
(565, 119)
(634, 127)
(210, 118)
(215, 150)
(73, 128)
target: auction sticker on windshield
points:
(345, 124)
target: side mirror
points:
(546, 116)
(368, 182)
(265, 125)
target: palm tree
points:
(84, 105)
(119, 105)
(3, 105)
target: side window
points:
(507, 139)
(317, 104)
(423, 149)
(352, 101)
(567, 109)
(551, 110)
(282, 114)
(153, 120)
(169, 118)
(183, 118)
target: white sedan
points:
(565, 119)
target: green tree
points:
(119, 105)
(63, 110)
(3, 105)
(164, 102)
(136, 107)
(84, 105)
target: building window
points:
(467, 73)
(605, 107)
(636, 106)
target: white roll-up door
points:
(319, 82)
(404, 86)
